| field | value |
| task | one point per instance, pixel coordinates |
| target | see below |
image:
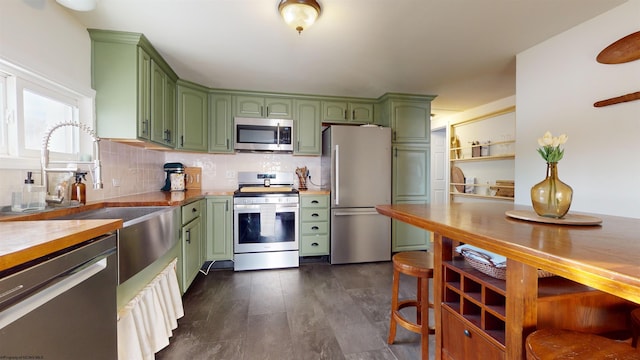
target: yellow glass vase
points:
(551, 197)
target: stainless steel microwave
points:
(253, 134)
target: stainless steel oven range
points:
(265, 211)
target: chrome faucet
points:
(95, 167)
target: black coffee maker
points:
(172, 168)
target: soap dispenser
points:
(32, 195)
(79, 189)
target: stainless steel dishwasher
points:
(62, 306)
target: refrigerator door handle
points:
(337, 174)
(341, 213)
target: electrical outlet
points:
(115, 182)
(231, 174)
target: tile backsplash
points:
(129, 170)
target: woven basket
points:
(498, 272)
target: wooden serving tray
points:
(569, 219)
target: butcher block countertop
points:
(25, 237)
(23, 241)
(605, 257)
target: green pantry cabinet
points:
(410, 121)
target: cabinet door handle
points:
(314, 228)
(267, 111)
(345, 114)
(181, 140)
(394, 134)
(315, 244)
(145, 126)
(467, 333)
(227, 144)
(167, 135)
(315, 202)
(188, 236)
(353, 114)
(193, 210)
(315, 215)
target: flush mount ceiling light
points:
(79, 5)
(299, 14)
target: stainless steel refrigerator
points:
(356, 161)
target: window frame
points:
(15, 156)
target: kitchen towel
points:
(145, 324)
(498, 260)
(267, 220)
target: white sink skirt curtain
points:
(145, 324)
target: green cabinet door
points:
(361, 113)
(191, 251)
(410, 185)
(263, 107)
(334, 111)
(163, 117)
(144, 95)
(308, 135)
(220, 123)
(410, 172)
(411, 121)
(406, 237)
(219, 235)
(193, 117)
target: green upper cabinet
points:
(346, 111)
(411, 121)
(133, 87)
(263, 107)
(409, 117)
(220, 123)
(193, 117)
(163, 107)
(308, 134)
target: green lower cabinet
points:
(219, 236)
(406, 237)
(192, 237)
(314, 225)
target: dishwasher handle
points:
(55, 287)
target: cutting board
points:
(457, 176)
(194, 177)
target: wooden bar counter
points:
(605, 257)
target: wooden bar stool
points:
(418, 264)
(635, 327)
(549, 344)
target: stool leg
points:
(419, 302)
(424, 318)
(394, 306)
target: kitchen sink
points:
(129, 214)
(148, 233)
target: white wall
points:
(557, 83)
(41, 36)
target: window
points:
(4, 112)
(31, 105)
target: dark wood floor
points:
(317, 311)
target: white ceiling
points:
(463, 51)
